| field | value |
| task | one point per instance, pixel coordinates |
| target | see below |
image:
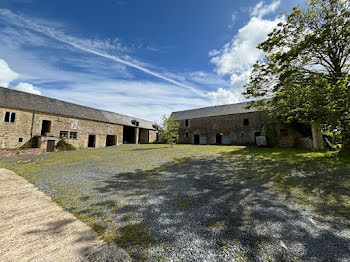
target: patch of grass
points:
(134, 235)
(181, 202)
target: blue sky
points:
(140, 58)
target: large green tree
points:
(305, 72)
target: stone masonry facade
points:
(237, 129)
(28, 124)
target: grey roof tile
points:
(213, 111)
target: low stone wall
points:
(20, 152)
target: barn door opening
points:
(111, 140)
(196, 139)
(219, 138)
(92, 141)
(45, 127)
(129, 135)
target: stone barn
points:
(30, 120)
(234, 124)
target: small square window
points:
(20, 140)
(64, 134)
(246, 122)
(186, 122)
(73, 135)
(186, 134)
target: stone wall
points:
(236, 129)
(84, 128)
(15, 135)
(152, 136)
(10, 133)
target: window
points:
(135, 123)
(186, 134)
(186, 122)
(20, 140)
(64, 134)
(73, 135)
(10, 117)
(246, 122)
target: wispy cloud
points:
(97, 48)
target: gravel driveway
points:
(194, 203)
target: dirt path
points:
(34, 228)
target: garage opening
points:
(111, 140)
(45, 127)
(196, 139)
(129, 135)
(92, 141)
(219, 138)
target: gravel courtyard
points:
(203, 203)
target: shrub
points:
(63, 145)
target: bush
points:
(63, 145)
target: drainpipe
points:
(31, 130)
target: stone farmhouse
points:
(30, 120)
(234, 124)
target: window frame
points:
(187, 122)
(67, 134)
(10, 117)
(246, 122)
(74, 138)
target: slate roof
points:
(213, 111)
(21, 100)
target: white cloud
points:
(29, 88)
(224, 96)
(7, 76)
(237, 57)
(260, 9)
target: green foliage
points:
(270, 129)
(169, 130)
(63, 145)
(306, 69)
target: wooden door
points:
(50, 146)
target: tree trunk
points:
(317, 136)
(345, 150)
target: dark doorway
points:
(92, 141)
(219, 139)
(45, 127)
(50, 146)
(257, 134)
(196, 139)
(111, 140)
(129, 135)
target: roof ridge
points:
(47, 97)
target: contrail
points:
(17, 20)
